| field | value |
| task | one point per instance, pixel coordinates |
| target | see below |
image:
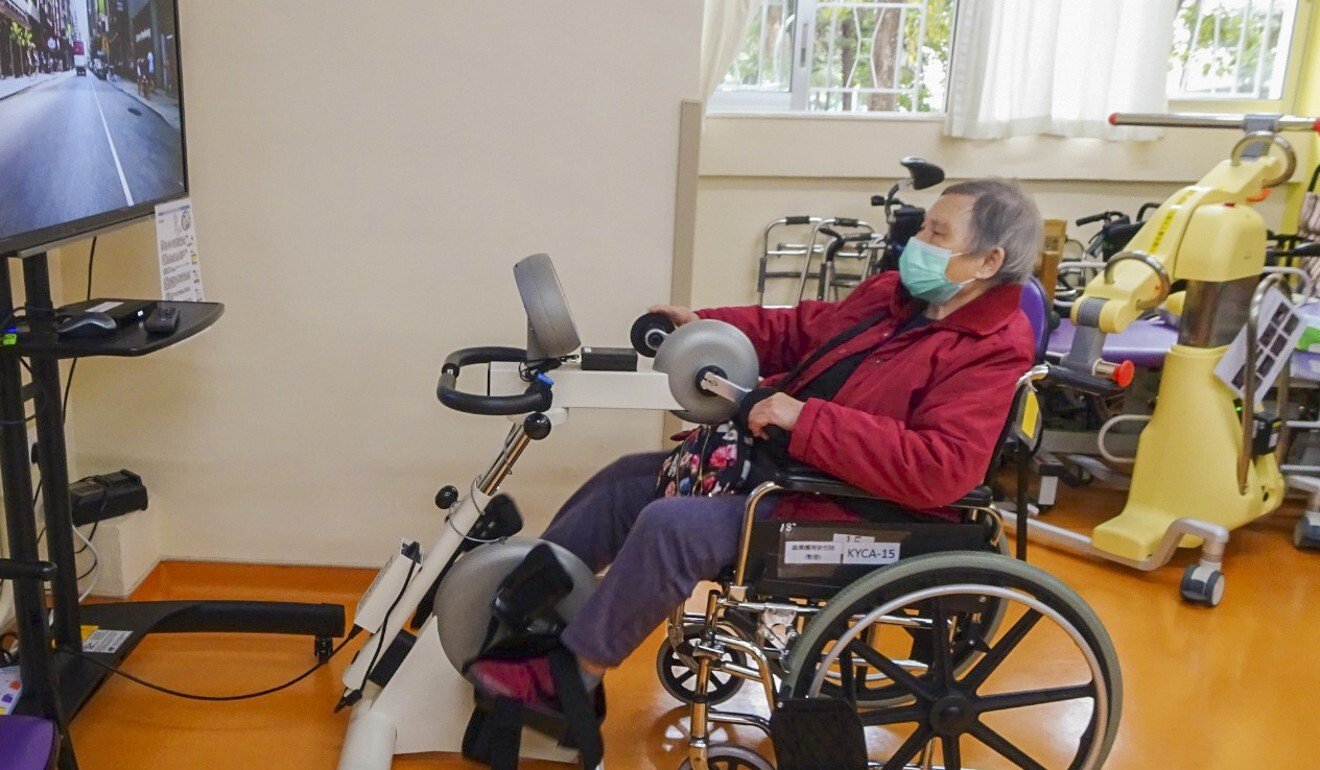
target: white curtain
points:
(1024, 67)
(722, 31)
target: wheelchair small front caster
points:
(678, 673)
(1307, 532)
(727, 756)
(324, 647)
(1202, 585)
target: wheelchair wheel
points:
(976, 715)
(678, 671)
(978, 622)
(727, 756)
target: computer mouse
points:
(88, 325)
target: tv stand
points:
(58, 684)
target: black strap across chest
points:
(827, 384)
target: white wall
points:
(365, 177)
(757, 169)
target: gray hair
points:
(1004, 216)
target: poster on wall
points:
(176, 245)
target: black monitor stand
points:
(57, 684)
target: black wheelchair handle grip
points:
(804, 219)
(846, 222)
(1081, 381)
(1098, 217)
(537, 397)
(1310, 249)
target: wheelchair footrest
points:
(818, 734)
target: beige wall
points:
(754, 170)
(364, 179)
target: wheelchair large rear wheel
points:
(976, 622)
(1046, 693)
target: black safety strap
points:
(790, 380)
(578, 707)
(494, 737)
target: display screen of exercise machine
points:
(91, 124)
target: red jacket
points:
(917, 422)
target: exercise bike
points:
(405, 688)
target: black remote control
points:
(163, 320)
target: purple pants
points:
(659, 549)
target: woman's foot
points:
(527, 681)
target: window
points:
(1231, 49)
(827, 56)
(893, 56)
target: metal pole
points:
(30, 606)
(53, 459)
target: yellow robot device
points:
(1195, 476)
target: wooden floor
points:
(1222, 689)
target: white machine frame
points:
(426, 703)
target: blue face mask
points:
(921, 267)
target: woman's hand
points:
(779, 409)
(679, 315)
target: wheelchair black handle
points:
(1102, 216)
(846, 222)
(1081, 381)
(1308, 249)
(537, 397)
(13, 569)
(801, 219)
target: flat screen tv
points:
(91, 117)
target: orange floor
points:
(1222, 689)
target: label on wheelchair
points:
(809, 551)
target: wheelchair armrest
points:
(796, 477)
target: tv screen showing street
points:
(91, 119)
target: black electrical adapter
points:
(609, 360)
(97, 498)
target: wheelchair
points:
(905, 625)
(903, 628)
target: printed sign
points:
(106, 641)
(1277, 335)
(811, 552)
(176, 245)
(841, 549)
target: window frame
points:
(793, 104)
(1292, 77)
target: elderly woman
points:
(907, 402)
